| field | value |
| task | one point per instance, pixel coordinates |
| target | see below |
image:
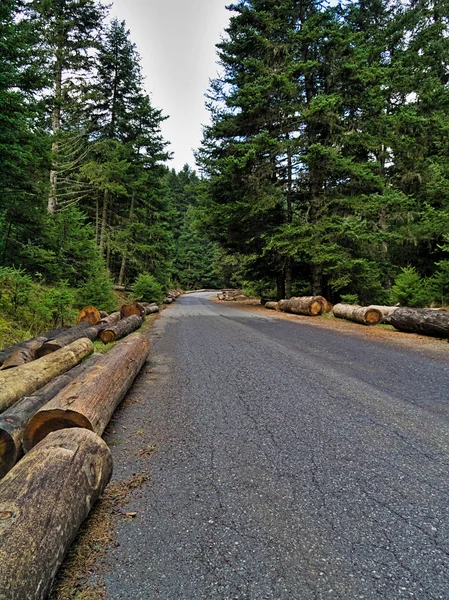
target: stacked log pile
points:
(58, 409)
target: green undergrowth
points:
(103, 348)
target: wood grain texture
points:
(365, 315)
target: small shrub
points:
(147, 289)
(350, 299)
(98, 292)
(410, 289)
(59, 302)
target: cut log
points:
(26, 379)
(14, 420)
(89, 314)
(90, 401)
(168, 300)
(386, 311)
(111, 319)
(120, 329)
(127, 310)
(282, 305)
(23, 354)
(75, 333)
(271, 305)
(104, 314)
(48, 335)
(424, 321)
(43, 501)
(366, 315)
(311, 306)
(149, 308)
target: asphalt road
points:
(293, 462)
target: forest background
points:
(324, 169)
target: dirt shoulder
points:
(438, 348)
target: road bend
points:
(288, 462)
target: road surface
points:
(293, 462)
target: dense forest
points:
(324, 169)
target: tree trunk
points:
(56, 126)
(306, 305)
(23, 354)
(120, 329)
(316, 280)
(104, 220)
(366, 315)
(26, 379)
(4, 354)
(424, 321)
(111, 319)
(272, 305)
(43, 502)
(280, 287)
(14, 420)
(132, 309)
(282, 305)
(149, 308)
(90, 400)
(73, 334)
(89, 314)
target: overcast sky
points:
(176, 40)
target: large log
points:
(424, 321)
(91, 400)
(366, 315)
(127, 310)
(111, 319)
(14, 420)
(149, 308)
(43, 501)
(48, 335)
(271, 305)
(23, 354)
(120, 329)
(89, 314)
(26, 379)
(75, 333)
(386, 311)
(311, 306)
(282, 305)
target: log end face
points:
(373, 316)
(45, 422)
(107, 336)
(9, 454)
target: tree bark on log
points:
(120, 329)
(14, 420)
(424, 321)
(111, 319)
(127, 310)
(103, 314)
(90, 400)
(43, 501)
(26, 379)
(386, 311)
(311, 306)
(89, 314)
(48, 335)
(366, 315)
(282, 305)
(149, 308)
(271, 305)
(23, 354)
(67, 338)
(168, 300)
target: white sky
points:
(176, 40)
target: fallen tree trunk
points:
(271, 305)
(149, 308)
(14, 420)
(311, 306)
(6, 353)
(120, 329)
(104, 314)
(168, 300)
(26, 379)
(89, 314)
(424, 321)
(386, 311)
(111, 319)
(90, 400)
(43, 501)
(23, 354)
(67, 338)
(366, 315)
(282, 305)
(127, 310)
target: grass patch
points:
(95, 536)
(103, 348)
